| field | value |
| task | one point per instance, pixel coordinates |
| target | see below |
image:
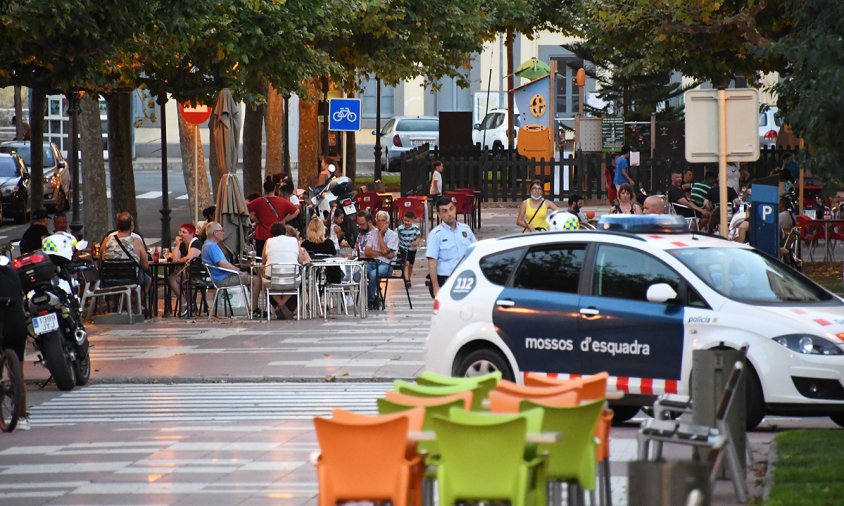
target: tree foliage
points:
(706, 39)
(635, 97)
(810, 92)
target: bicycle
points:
(344, 112)
(11, 390)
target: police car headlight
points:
(809, 345)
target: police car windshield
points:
(749, 276)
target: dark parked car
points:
(14, 186)
(56, 175)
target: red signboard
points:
(194, 114)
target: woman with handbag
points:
(533, 210)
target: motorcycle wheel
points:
(58, 363)
(82, 366)
(11, 391)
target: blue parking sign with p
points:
(344, 114)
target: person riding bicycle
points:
(14, 327)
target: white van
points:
(491, 133)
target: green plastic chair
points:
(486, 382)
(572, 458)
(417, 390)
(483, 459)
(430, 448)
(533, 417)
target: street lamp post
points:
(377, 167)
(73, 112)
(165, 197)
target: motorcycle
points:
(340, 190)
(53, 310)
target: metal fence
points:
(504, 176)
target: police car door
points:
(638, 342)
(536, 314)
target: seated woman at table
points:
(187, 248)
(282, 248)
(317, 244)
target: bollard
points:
(710, 369)
(667, 483)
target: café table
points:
(166, 269)
(532, 437)
(314, 272)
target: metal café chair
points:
(283, 279)
(219, 290)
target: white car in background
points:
(403, 133)
(770, 122)
(491, 132)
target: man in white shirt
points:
(380, 248)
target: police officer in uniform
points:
(447, 243)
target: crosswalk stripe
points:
(149, 195)
(183, 197)
(205, 402)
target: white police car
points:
(635, 299)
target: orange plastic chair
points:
(365, 461)
(412, 400)
(593, 386)
(529, 392)
(535, 379)
(502, 402)
(415, 418)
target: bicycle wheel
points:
(11, 390)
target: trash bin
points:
(667, 483)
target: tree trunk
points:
(19, 119)
(285, 137)
(511, 83)
(308, 146)
(253, 135)
(272, 125)
(196, 182)
(95, 215)
(120, 156)
(36, 168)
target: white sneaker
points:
(23, 423)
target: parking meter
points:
(764, 216)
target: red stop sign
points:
(194, 114)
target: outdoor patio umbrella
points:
(532, 69)
(231, 206)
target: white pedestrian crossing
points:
(205, 402)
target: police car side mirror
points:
(476, 126)
(661, 293)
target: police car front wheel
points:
(483, 361)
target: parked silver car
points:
(404, 133)
(56, 174)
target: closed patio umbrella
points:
(231, 206)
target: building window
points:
(567, 90)
(369, 95)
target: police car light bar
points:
(644, 223)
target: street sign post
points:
(195, 115)
(721, 126)
(344, 116)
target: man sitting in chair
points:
(684, 206)
(213, 255)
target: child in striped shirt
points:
(409, 235)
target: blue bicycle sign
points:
(344, 114)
